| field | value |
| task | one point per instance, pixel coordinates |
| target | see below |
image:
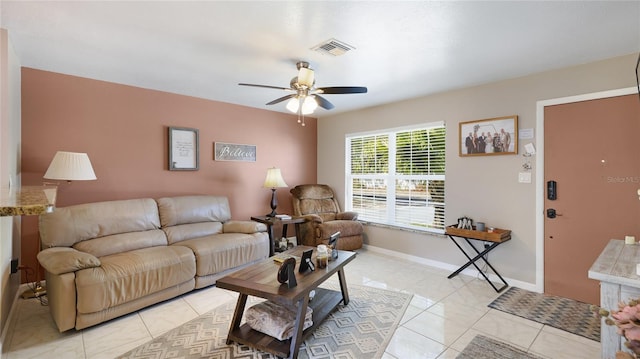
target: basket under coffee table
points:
(260, 280)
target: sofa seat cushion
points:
(346, 228)
(223, 251)
(124, 277)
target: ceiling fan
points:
(305, 97)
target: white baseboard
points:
(449, 267)
(10, 319)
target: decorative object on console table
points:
(305, 262)
(465, 222)
(494, 136)
(286, 272)
(184, 150)
(624, 320)
(333, 246)
(322, 256)
(274, 180)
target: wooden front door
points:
(592, 152)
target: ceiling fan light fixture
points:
(305, 77)
(309, 105)
(304, 97)
(293, 104)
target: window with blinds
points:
(396, 177)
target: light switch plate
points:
(524, 177)
(530, 149)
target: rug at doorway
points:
(361, 329)
(558, 312)
(482, 347)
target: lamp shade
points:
(305, 77)
(292, 105)
(274, 179)
(70, 166)
(309, 105)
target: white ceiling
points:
(403, 49)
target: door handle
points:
(551, 213)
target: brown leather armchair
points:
(317, 203)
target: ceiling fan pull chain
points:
(301, 117)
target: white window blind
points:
(397, 177)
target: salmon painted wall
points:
(124, 130)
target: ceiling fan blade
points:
(342, 89)
(283, 98)
(267, 86)
(324, 103)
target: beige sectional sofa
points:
(106, 259)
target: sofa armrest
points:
(59, 260)
(352, 216)
(247, 227)
(314, 218)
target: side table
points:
(497, 237)
(271, 221)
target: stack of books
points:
(283, 216)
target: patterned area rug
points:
(361, 329)
(482, 347)
(562, 313)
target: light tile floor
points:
(444, 315)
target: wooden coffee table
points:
(260, 280)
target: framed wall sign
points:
(184, 154)
(493, 136)
(223, 151)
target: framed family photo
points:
(493, 136)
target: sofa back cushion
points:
(187, 217)
(183, 232)
(193, 209)
(315, 199)
(123, 242)
(66, 226)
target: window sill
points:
(404, 229)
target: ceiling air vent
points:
(333, 47)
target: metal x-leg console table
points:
(497, 237)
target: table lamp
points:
(274, 180)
